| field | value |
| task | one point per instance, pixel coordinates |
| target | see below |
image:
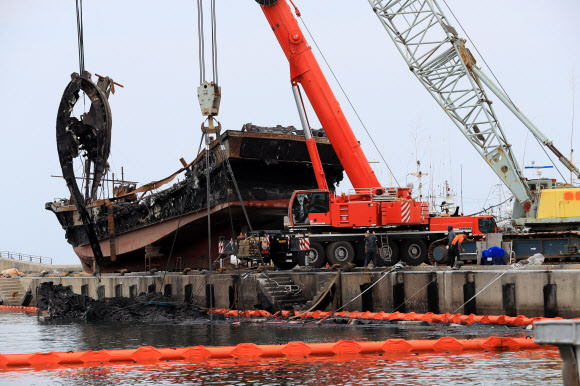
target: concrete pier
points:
(531, 291)
(566, 335)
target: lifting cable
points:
(491, 207)
(208, 202)
(178, 227)
(239, 194)
(80, 40)
(221, 147)
(81, 57)
(499, 83)
(214, 63)
(201, 42)
(348, 99)
(201, 47)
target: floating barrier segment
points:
(292, 350)
(429, 317)
(18, 308)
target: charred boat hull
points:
(168, 230)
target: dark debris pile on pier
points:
(62, 303)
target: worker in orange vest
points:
(455, 248)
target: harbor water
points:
(23, 333)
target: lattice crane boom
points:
(438, 57)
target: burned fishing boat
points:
(139, 228)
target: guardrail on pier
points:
(25, 257)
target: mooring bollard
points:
(566, 335)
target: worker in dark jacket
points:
(450, 253)
(371, 248)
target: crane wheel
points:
(437, 252)
(388, 255)
(280, 262)
(340, 252)
(315, 255)
(414, 252)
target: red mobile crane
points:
(370, 204)
(336, 223)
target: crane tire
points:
(414, 252)
(340, 252)
(281, 263)
(389, 255)
(316, 256)
(437, 252)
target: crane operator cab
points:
(310, 208)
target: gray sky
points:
(151, 48)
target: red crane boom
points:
(304, 69)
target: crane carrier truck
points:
(324, 227)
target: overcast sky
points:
(151, 48)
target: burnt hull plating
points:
(269, 164)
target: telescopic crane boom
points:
(370, 204)
(304, 70)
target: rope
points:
(320, 298)
(412, 296)
(514, 266)
(384, 274)
(349, 102)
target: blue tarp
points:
(493, 256)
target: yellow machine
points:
(560, 204)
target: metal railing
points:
(25, 257)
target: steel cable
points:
(201, 41)
(514, 266)
(349, 102)
(415, 294)
(384, 274)
(221, 148)
(499, 83)
(214, 54)
(80, 39)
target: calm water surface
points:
(23, 333)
